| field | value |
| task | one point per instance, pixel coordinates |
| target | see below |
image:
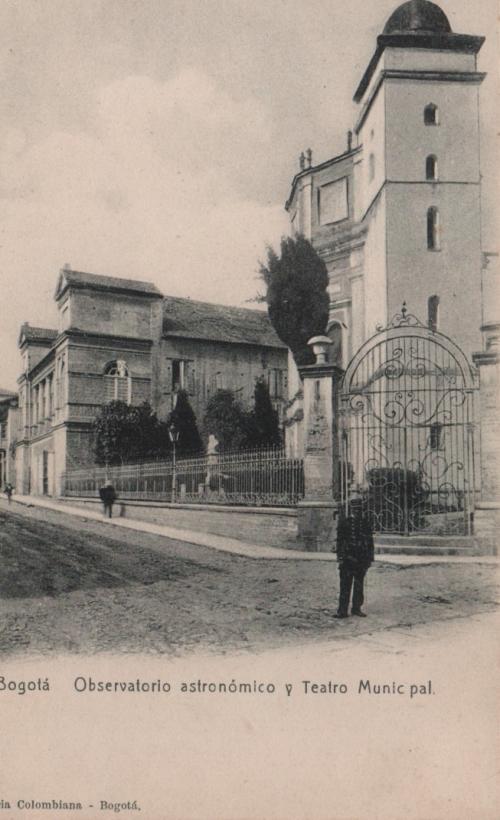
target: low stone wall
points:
(270, 527)
(487, 528)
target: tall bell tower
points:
(418, 185)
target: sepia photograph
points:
(249, 410)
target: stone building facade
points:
(397, 215)
(122, 339)
(8, 436)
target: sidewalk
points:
(233, 545)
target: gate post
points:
(487, 514)
(316, 513)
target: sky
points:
(157, 140)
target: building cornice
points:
(41, 365)
(337, 247)
(314, 370)
(75, 334)
(475, 77)
(461, 43)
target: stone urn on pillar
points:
(317, 512)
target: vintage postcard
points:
(249, 410)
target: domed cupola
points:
(417, 24)
(418, 17)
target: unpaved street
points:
(75, 585)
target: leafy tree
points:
(185, 421)
(296, 295)
(226, 419)
(262, 422)
(123, 433)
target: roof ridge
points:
(214, 304)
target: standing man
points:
(108, 497)
(355, 553)
(9, 489)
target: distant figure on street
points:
(9, 489)
(108, 497)
(355, 553)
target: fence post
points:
(317, 512)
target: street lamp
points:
(173, 434)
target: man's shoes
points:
(358, 613)
(341, 615)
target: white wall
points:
(453, 273)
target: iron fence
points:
(251, 478)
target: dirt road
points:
(75, 585)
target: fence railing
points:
(252, 478)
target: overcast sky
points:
(156, 139)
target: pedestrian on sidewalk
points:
(107, 494)
(9, 489)
(355, 553)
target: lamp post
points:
(173, 434)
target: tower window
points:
(431, 168)
(431, 114)
(433, 312)
(433, 243)
(371, 163)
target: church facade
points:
(121, 339)
(397, 215)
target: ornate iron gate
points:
(407, 431)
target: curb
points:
(242, 548)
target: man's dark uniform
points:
(108, 497)
(355, 553)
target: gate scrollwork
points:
(406, 420)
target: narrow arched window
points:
(118, 384)
(433, 229)
(433, 312)
(431, 114)
(431, 168)
(371, 164)
(335, 352)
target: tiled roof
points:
(40, 334)
(94, 280)
(201, 320)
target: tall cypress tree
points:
(263, 421)
(184, 419)
(227, 420)
(296, 295)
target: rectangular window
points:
(332, 202)
(180, 373)
(276, 382)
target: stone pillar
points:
(317, 512)
(487, 513)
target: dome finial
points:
(418, 17)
